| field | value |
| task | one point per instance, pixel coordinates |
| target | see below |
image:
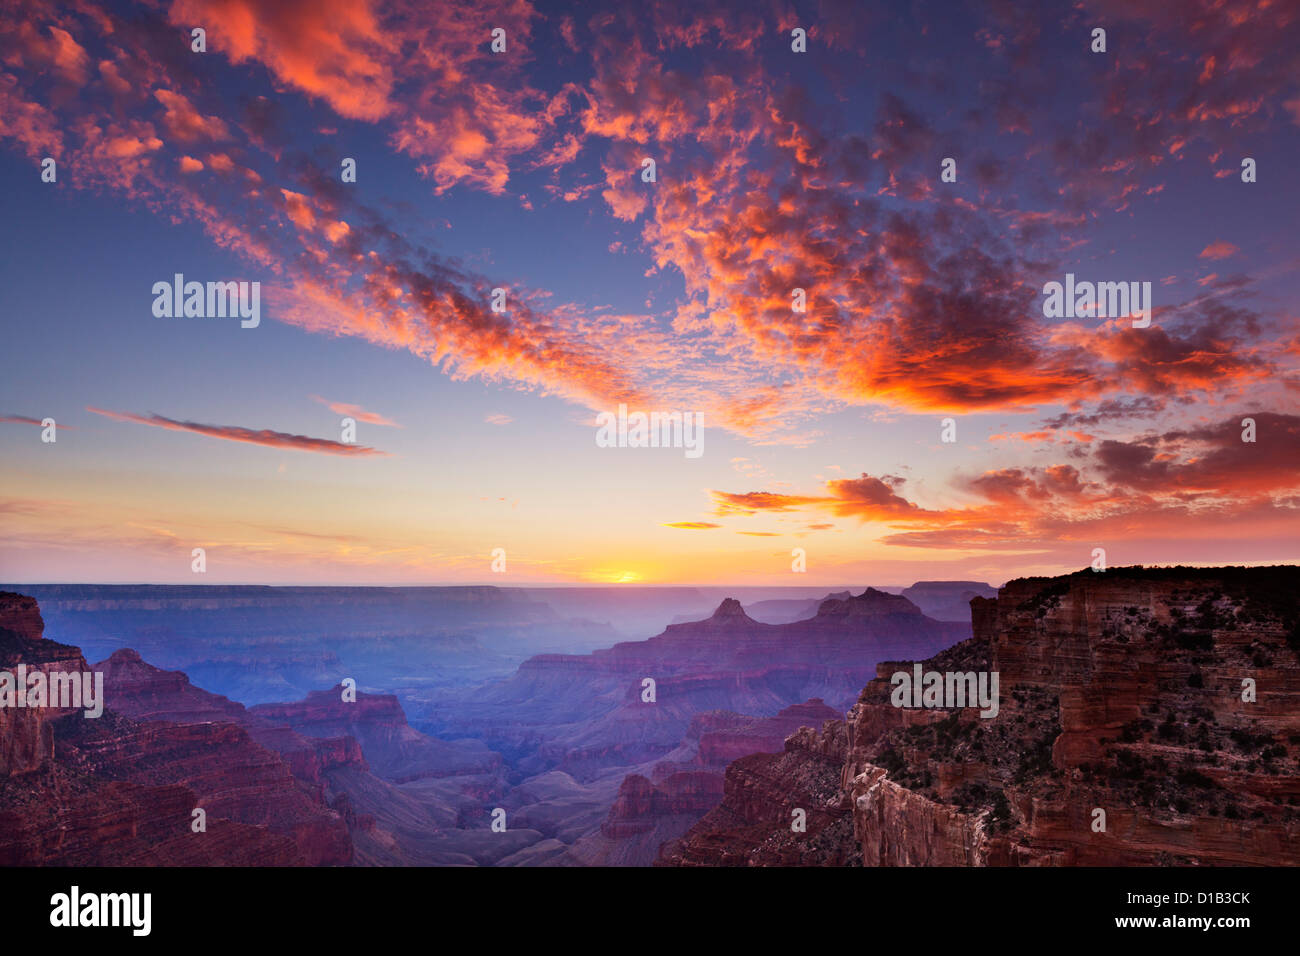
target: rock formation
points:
(121, 788)
(113, 791)
(683, 787)
(1147, 717)
(778, 809)
(586, 713)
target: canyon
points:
(1150, 716)
(1146, 717)
(585, 769)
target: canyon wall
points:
(1147, 717)
(106, 791)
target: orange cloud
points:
(1028, 437)
(1197, 482)
(913, 302)
(331, 49)
(185, 123)
(298, 209)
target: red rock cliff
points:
(1121, 692)
(26, 738)
(112, 790)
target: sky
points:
(523, 169)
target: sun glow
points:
(614, 576)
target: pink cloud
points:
(272, 439)
(1219, 249)
(357, 412)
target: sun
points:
(613, 575)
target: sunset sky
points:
(522, 170)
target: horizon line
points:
(544, 586)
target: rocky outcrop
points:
(117, 823)
(26, 736)
(230, 776)
(315, 739)
(1122, 700)
(147, 693)
(393, 749)
(778, 809)
(640, 804)
(20, 618)
(110, 790)
(651, 809)
(740, 736)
